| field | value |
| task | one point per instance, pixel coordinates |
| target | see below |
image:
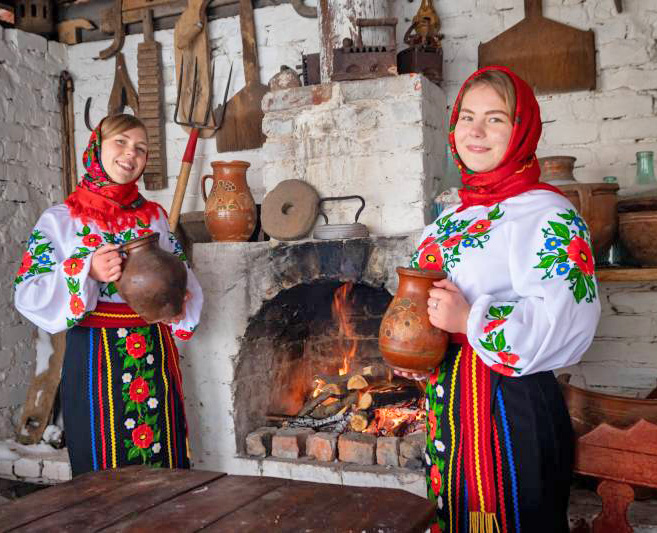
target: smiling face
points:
(124, 155)
(483, 128)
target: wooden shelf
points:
(626, 274)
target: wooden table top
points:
(152, 499)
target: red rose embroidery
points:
(135, 344)
(504, 370)
(433, 424)
(436, 479)
(26, 263)
(76, 305)
(73, 266)
(435, 528)
(182, 334)
(142, 436)
(433, 378)
(508, 358)
(493, 324)
(479, 227)
(431, 258)
(142, 232)
(92, 240)
(139, 390)
(580, 253)
(452, 241)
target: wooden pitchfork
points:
(196, 127)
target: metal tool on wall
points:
(550, 56)
(424, 53)
(195, 129)
(151, 100)
(69, 167)
(191, 47)
(356, 61)
(122, 94)
(242, 128)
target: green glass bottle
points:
(645, 168)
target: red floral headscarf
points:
(518, 170)
(113, 206)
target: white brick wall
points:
(30, 170)
(603, 128)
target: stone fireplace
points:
(268, 326)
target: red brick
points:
(322, 446)
(387, 451)
(290, 443)
(258, 443)
(357, 448)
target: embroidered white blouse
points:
(53, 286)
(526, 268)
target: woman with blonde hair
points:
(520, 301)
(121, 386)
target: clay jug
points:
(407, 340)
(153, 281)
(230, 212)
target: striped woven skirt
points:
(121, 395)
(531, 441)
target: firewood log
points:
(314, 402)
(360, 420)
(365, 401)
(356, 382)
(323, 411)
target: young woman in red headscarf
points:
(121, 387)
(520, 300)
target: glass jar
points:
(645, 168)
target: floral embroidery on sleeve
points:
(443, 250)
(184, 334)
(37, 259)
(567, 253)
(72, 268)
(496, 342)
(177, 247)
(139, 394)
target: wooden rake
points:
(196, 127)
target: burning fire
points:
(340, 309)
(389, 421)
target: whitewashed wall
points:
(603, 129)
(30, 170)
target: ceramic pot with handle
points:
(153, 281)
(407, 340)
(230, 211)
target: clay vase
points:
(407, 340)
(153, 281)
(230, 212)
(637, 232)
(557, 167)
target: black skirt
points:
(121, 393)
(532, 449)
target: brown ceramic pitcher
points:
(230, 212)
(153, 281)
(407, 340)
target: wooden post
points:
(337, 20)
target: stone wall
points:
(30, 181)
(603, 128)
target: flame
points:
(392, 420)
(340, 308)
